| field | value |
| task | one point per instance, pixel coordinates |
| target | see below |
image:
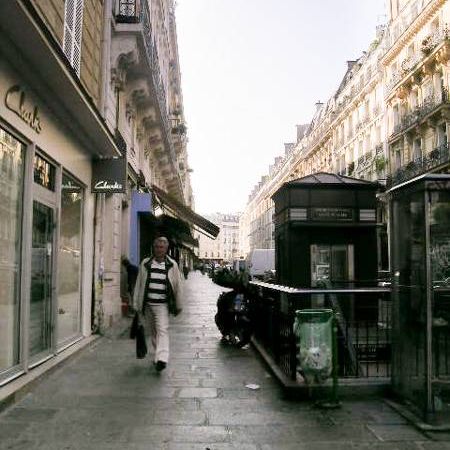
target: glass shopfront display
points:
(69, 261)
(12, 154)
(420, 243)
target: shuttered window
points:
(73, 26)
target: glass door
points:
(331, 265)
(40, 328)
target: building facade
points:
(387, 121)
(89, 89)
(226, 247)
(346, 136)
(416, 68)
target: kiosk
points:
(325, 231)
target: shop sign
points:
(15, 101)
(332, 214)
(109, 176)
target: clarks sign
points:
(16, 101)
(109, 176)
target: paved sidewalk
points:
(105, 398)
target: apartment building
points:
(92, 142)
(416, 66)
(346, 136)
(226, 247)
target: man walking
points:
(158, 293)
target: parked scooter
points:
(233, 318)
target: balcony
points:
(133, 19)
(429, 105)
(409, 64)
(426, 163)
(127, 11)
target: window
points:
(44, 173)
(69, 259)
(12, 154)
(417, 149)
(73, 26)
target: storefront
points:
(49, 137)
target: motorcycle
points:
(233, 318)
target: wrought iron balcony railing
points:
(429, 43)
(128, 11)
(428, 105)
(436, 158)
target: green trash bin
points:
(314, 329)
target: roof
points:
(330, 178)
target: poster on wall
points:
(109, 176)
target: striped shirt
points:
(157, 286)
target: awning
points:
(185, 213)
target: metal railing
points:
(416, 115)
(364, 326)
(128, 11)
(423, 164)
(429, 43)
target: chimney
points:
(319, 105)
(380, 29)
(350, 64)
(301, 130)
(288, 147)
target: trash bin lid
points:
(314, 315)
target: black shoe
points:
(160, 365)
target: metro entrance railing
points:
(364, 326)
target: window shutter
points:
(73, 26)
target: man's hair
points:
(161, 239)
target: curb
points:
(347, 388)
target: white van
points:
(260, 261)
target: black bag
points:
(137, 332)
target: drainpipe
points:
(106, 55)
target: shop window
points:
(44, 173)
(12, 153)
(73, 27)
(69, 260)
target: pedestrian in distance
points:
(156, 295)
(128, 276)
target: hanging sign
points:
(109, 176)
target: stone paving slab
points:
(104, 398)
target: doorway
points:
(332, 265)
(41, 295)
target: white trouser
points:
(157, 329)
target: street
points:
(209, 397)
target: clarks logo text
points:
(106, 185)
(15, 101)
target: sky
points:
(250, 71)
